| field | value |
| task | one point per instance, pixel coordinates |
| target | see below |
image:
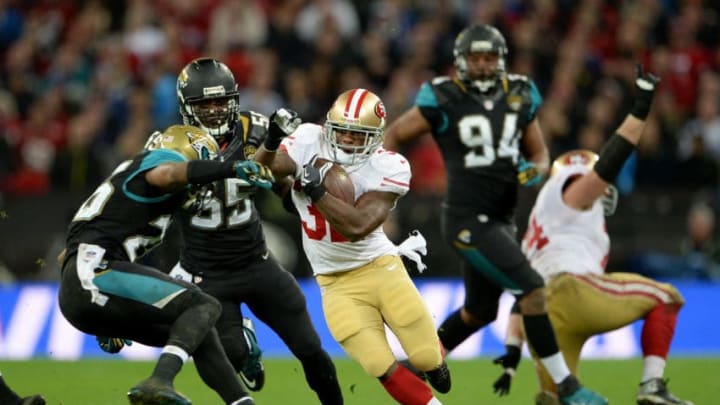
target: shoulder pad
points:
(307, 133)
(390, 172)
(440, 80)
(389, 162)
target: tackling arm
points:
(356, 222)
(409, 126)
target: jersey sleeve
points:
(427, 102)
(536, 100)
(391, 173)
(302, 145)
(150, 161)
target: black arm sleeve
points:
(207, 171)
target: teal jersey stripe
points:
(153, 159)
(489, 270)
(137, 287)
(426, 98)
(536, 99)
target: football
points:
(337, 182)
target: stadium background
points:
(83, 83)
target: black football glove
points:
(112, 345)
(312, 177)
(509, 361)
(283, 122)
(645, 85)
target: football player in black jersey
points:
(104, 293)
(224, 250)
(484, 121)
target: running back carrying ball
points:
(337, 182)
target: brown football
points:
(337, 182)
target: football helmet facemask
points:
(477, 39)
(355, 126)
(208, 97)
(192, 142)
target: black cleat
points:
(253, 373)
(32, 400)
(155, 392)
(439, 378)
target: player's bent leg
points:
(215, 369)
(321, 376)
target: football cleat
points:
(583, 396)
(655, 392)
(33, 400)
(253, 372)
(439, 378)
(156, 392)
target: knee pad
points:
(425, 357)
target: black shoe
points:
(439, 378)
(33, 400)
(253, 373)
(156, 392)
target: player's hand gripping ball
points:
(337, 182)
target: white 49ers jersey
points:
(561, 239)
(326, 249)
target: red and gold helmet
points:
(361, 113)
(581, 157)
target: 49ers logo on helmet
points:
(380, 109)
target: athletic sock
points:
(407, 388)
(541, 337)
(454, 331)
(167, 367)
(659, 329)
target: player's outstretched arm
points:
(534, 148)
(410, 125)
(172, 176)
(582, 193)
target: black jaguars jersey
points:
(479, 137)
(220, 225)
(126, 215)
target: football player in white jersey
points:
(568, 244)
(363, 281)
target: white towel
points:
(88, 259)
(413, 247)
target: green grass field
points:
(105, 382)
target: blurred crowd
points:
(83, 83)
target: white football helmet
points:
(355, 126)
